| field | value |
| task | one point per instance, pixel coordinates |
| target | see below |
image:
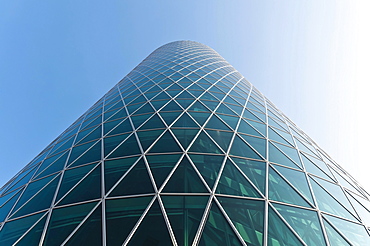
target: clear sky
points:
(311, 58)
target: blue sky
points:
(310, 58)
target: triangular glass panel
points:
(336, 192)
(204, 144)
(208, 166)
(46, 163)
(115, 114)
(247, 114)
(275, 155)
(327, 203)
(165, 144)
(162, 96)
(148, 137)
(161, 166)
(304, 148)
(123, 127)
(58, 165)
(33, 236)
(237, 109)
(292, 153)
(354, 232)
(230, 120)
(211, 104)
(137, 120)
(158, 104)
(215, 123)
(347, 183)
(316, 167)
(88, 189)
(22, 179)
(208, 96)
(334, 237)
(64, 220)
(78, 150)
(153, 123)
(279, 232)
(297, 179)
(232, 182)
(147, 234)
(128, 147)
(254, 170)
(114, 169)
(247, 216)
(198, 107)
(121, 217)
(224, 110)
(276, 137)
(169, 117)
(95, 134)
(92, 155)
(185, 180)
(184, 213)
(71, 177)
(240, 148)
(258, 144)
(40, 201)
(171, 106)
(5, 208)
(246, 128)
(136, 181)
(145, 109)
(199, 117)
(13, 230)
(305, 222)
(185, 121)
(217, 230)
(222, 138)
(185, 136)
(361, 210)
(280, 190)
(90, 232)
(184, 102)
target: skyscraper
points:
(183, 151)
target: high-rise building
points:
(183, 151)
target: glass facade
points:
(183, 151)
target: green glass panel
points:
(58, 165)
(148, 137)
(208, 166)
(171, 106)
(275, 124)
(200, 117)
(327, 203)
(46, 163)
(276, 137)
(83, 134)
(169, 117)
(112, 142)
(92, 155)
(90, 233)
(147, 234)
(297, 179)
(334, 237)
(114, 169)
(6, 197)
(137, 120)
(312, 168)
(230, 120)
(275, 155)
(222, 138)
(247, 217)
(153, 123)
(355, 233)
(278, 232)
(123, 127)
(185, 121)
(88, 189)
(128, 147)
(185, 136)
(64, 220)
(184, 213)
(232, 182)
(185, 180)
(204, 144)
(137, 181)
(34, 235)
(145, 109)
(292, 153)
(121, 216)
(215, 123)
(32, 189)
(259, 126)
(66, 145)
(165, 144)
(217, 230)
(280, 190)
(246, 128)
(40, 201)
(336, 192)
(224, 110)
(78, 150)
(240, 148)
(254, 170)
(13, 230)
(258, 144)
(237, 109)
(184, 102)
(71, 177)
(208, 96)
(92, 136)
(4, 210)
(247, 114)
(161, 166)
(305, 222)
(116, 114)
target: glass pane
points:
(208, 166)
(161, 166)
(114, 169)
